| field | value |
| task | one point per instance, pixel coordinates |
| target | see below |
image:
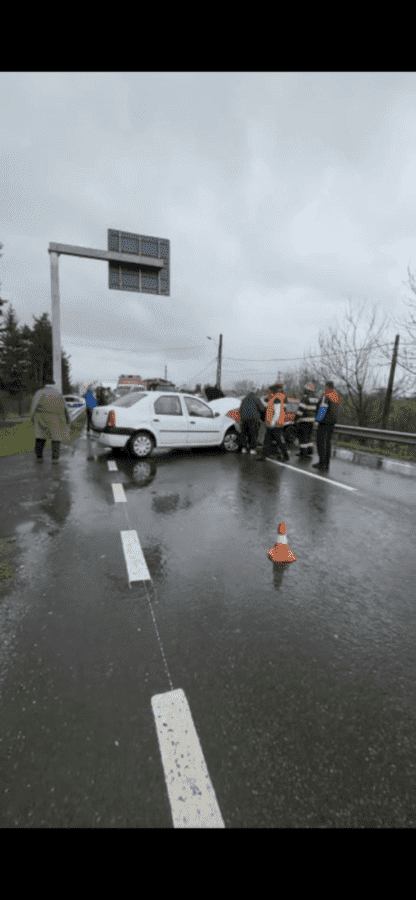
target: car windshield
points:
(129, 400)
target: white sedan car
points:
(227, 405)
(141, 421)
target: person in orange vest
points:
(327, 417)
(274, 421)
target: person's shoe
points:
(243, 450)
(317, 466)
(286, 458)
(253, 452)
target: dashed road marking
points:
(191, 795)
(133, 554)
(112, 465)
(118, 493)
(311, 474)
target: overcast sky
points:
(282, 195)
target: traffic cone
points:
(281, 553)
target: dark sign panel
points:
(146, 277)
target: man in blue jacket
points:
(327, 418)
(91, 402)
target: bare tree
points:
(407, 349)
(352, 360)
(244, 386)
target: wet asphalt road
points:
(301, 683)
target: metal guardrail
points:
(374, 434)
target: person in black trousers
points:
(91, 403)
(252, 412)
(327, 417)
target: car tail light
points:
(235, 414)
(111, 419)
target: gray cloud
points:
(282, 194)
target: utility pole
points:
(390, 384)
(218, 384)
(166, 373)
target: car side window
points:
(168, 405)
(197, 408)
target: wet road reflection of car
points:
(142, 421)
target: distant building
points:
(158, 384)
(130, 382)
(136, 382)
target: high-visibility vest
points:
(275, 413)
(306, 411)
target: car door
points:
(170, 421)
(204, 426)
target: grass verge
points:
(403, 452)
(20, 438)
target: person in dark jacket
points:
(101, 396)
(304, 419)
(252, 413)
(91, 403)
(327, 418)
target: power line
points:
(297, 358)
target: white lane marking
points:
(112, 465)
(133, 554)
(311, 474)
(118, 493)
(191, 795)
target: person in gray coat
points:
(49, 415)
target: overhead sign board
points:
(151, 275)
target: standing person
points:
(252, 412)
(49, 415)
(275, 420)
(304, 419)
(101, 396)
(91, 403)
(327, 418)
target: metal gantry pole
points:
(56, 322)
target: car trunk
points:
(100, 416)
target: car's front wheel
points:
(230, 442)
(140, 445)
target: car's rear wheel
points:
(230, 442)
(140, 445)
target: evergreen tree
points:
(41, 365)
(2, 302)
(12, 356)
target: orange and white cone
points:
(281, 553)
